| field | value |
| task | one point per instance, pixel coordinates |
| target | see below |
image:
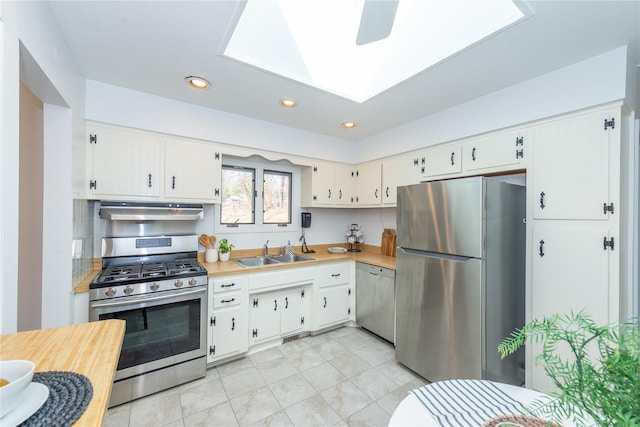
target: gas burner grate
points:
(155, 269)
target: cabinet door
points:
(571, 167)
(443, 161)
(264, 316)
(124, 164)
(343, 187)
(323, 182)
(332, 306)
(291, 318)
(192, 171)
(397, 171)
(228, 333)
(368, 182)
(570, 272)
(496, 151)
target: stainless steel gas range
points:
(157, 286)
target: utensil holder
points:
(211, 255)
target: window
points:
(253, 185)
(276, 198)
(238, 190)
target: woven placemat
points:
(519, 420)
(69, 395)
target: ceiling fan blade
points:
(376, 21)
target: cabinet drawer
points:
(333, 274)
(226, 300)
(225, 284)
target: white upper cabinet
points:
(442, 160)
(343, 185)
(327, 185)
(192, 171)
(571, 162)
(496, 152)
(123, 163)
(368, 182)
(398, 171)
(128, 164)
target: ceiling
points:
(151, 46)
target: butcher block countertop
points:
(370, 254)
(91, 349)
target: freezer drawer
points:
(439, 318)
(375, 300)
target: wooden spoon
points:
(204, 241)
(212, 239)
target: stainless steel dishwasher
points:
(375, 300)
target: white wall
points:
(35, 51)
(117, 105)
(591, 82)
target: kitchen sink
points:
(256, 261)
(291, 258)
(259, 261)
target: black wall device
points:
(306, 219)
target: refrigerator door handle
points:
(430, 254)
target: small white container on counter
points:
(211, 255)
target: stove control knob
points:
(110, 292)
(178, 283)
(154, 286)
(193, 281)
(128, 290)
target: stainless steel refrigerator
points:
(460, 278)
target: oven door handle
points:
(149, 299)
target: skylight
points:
(314, 41)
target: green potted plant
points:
(599, 381)
(225, 249)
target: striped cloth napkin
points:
(459, 403)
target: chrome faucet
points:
(266, 248)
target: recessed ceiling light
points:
(289, 103)
(197, 82)
(348, 125)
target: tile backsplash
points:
(82, 243)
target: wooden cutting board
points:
(388, 246)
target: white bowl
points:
(19, 373)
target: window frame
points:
(261, 165)
(289, 191)
(253, 190)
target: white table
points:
(411, 412)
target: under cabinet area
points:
(275, 315)
(228, 317)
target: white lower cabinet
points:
(332, 306)
(228, 314)
(332, 299)
(277, 314)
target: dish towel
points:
(458, 403)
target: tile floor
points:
(345, 377)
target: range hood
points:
(136, 211)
